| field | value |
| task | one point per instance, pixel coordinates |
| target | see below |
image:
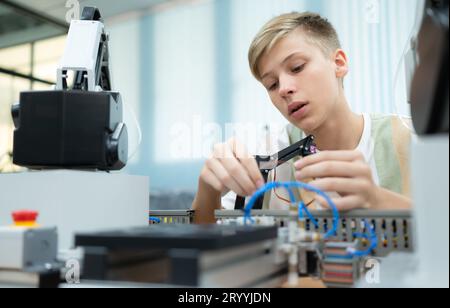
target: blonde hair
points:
(319, 32)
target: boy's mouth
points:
(295, 107)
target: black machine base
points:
(70, 130)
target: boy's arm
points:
(205, 203)
(388, 200)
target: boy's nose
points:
(287, 87)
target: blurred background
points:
(184, 62)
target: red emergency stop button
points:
(25, 218)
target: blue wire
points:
(155, 219)
(333, 230)
(300, 210)
(268, 187)
(287, 186)
(372, 237)
(301, 207)
(311, 217)
(344, 257)
(291, 193)
(260, 193)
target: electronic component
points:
(338, 268)
(266, 164)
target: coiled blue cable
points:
(302, 208)
(288, 186)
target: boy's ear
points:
(340, 60)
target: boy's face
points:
(296, 75)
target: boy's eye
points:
(273, 86)
(298, 69)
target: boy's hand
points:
(344, 172)
(231, 167)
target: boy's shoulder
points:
(392, 136)
(391, 124)
(386, 116)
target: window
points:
(10, 88)
(24, 67)
(47, 55)
(183, 79)
(17, 59)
